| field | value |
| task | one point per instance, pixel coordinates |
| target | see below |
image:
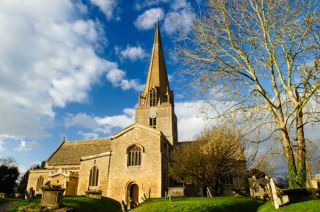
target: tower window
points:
(94, 176)
(134, 156)
(153, 97)
(153, 122)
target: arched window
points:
(153, 97)
(39, 183)
(134, 156)
(94, 176)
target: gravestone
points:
(52, 197)
(176, 191)
(276, 199)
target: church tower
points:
(156, 103)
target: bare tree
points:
(266, 164)
(216, 154)
(264, 56)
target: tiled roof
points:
(70, 152)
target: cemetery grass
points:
(79, 203)
(4, 201)
(306, 206)
(201, 204)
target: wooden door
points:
(134, 194)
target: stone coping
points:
(95, 156)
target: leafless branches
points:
(264, 55)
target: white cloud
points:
(99, 125)
(106, 6)
(148, 19)
(179, 16)
(117, 78)
(80, 119)
(179, 4)
(191, 120)
(25, 146)
(141, 4)
(88, 135)
(48, 59)
(133, 53)
(182, 17)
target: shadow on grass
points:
(89, 204)
(78, 203)
(4, 201)
(250, 205)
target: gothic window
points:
(153, 97)
(94, 176)
(39, 183)
(134, 156)
(153, 122)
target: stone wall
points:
(102, 163)
(166, 119)
(148, 176)
(72, 186)
(70, 183)
(33, 179)
(115, 176)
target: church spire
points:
(156, 104)
(157, 73)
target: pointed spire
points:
(157, 73)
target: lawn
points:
(78, 203)
(3, 201)
(200, 204)
(307, 206)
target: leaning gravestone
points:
(278, 200)
(52, 197)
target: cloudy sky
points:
(74, 68)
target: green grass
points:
(176, 204)
(31, 204)
(4, 201)
(89, 204)
(307, 206)
(200, 204)
(78, 203)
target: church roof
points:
(70, 152)
(157, 73)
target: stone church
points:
(133, 163)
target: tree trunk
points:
(292, 169)
(301, 150)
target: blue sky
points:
(74, 68)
